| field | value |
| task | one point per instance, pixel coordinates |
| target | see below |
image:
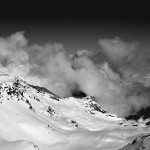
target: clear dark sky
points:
(76, 25)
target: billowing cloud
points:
(50, 66)
(117, 49)
(126, 58)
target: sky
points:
(77, 34)
(78, 25)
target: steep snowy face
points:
(33, 118)
(141, 142)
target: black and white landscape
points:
(75, 79)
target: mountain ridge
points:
(32, 113)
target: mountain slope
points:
(141, 142)
(34, 118)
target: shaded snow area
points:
(33, 118)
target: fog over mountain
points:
(110, 80)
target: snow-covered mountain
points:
(33, 118)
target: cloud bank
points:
(49, 65)
(117, 49)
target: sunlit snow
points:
(34, 119)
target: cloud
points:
(83, 52)
(50, 66)
(128, 59)
(117, 49)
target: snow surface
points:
(33, 118)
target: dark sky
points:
(78, 25)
